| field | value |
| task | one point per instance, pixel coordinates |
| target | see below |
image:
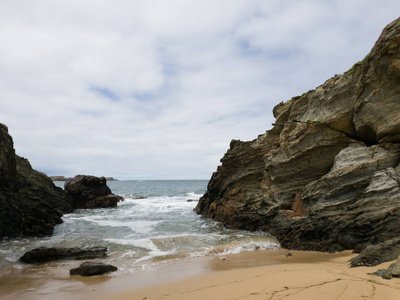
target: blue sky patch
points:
(105, 93)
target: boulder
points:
(40, 255)
(91, 192)
(374, 255)
(30, 204)
(392, 271)
(92, 268)
(327, 175)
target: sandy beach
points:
(266, 274)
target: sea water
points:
(154, 225)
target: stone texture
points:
(30, 204)
(326, 176)
(374, 255)
(40, 255)
(92, 268)
(392, 271)
(91, 192)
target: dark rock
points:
(376, 254)
(40, 255)
(289, 254)
(91, 192)
(392, 271)
(359, 248)
(63, 178)
(327, 175)
(30, 204)
(92, 268)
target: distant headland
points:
(63, 178)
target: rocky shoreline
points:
(30, 203)
(326, 177)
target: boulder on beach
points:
(30, 203)
(92, 268)
(91, 192)
(392, 271)
(374, 255)
(40, 255)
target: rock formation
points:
(63, 178)
(30, 204)
(392, 271)
(92, 268)
(40, 255)
(91, 192)
(327, 175)
(374, 255)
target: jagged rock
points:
(30, 204)
(92, 268)
(40, 255)
(392, 271)
(91, 192)
(327, 175)
(374, 255)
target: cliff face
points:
(30, 204)
(327, 175)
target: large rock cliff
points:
(327, 175)
(30, 204)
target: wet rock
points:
(91, 192)
(374, 255)
(30, 204)
(327, 175)
(40, 255)
(92, 268)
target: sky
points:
(157, 89)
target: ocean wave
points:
(235, 247)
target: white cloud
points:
(157, 89)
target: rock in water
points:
(40, 255)
(327, 175)
(91, 192)
(92, 268)
(30, 204)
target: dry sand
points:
(251, 275)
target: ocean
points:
(154, 225)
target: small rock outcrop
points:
(92, 268)
(91, 192)
(392, 271)
(30, 204)
(374, 255)
(63, 178)
(327, 175)
(40, 255)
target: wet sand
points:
(266, 274)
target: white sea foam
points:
(244, 246)
(153, 225)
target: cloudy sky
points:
(157, 89)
